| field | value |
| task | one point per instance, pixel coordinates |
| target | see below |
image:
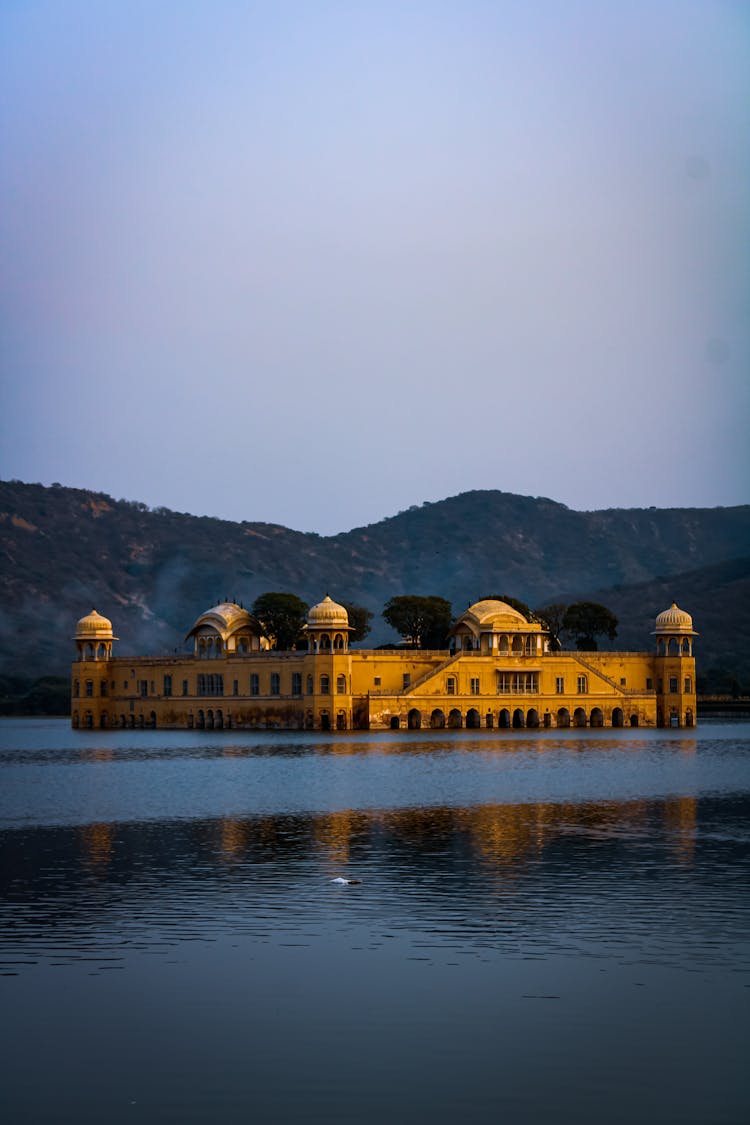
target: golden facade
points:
(499, 672)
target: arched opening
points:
(503, 719)
(201, 720)
(123, 722)
(309, 721)
(75, 719)
(517, 718)
(489, 720)
(563, 717)
(325, 721)
(89, 651)
(141, 722)
(502, 645)
(209, 719)
(532, 718)
(152, 719)
(473, 721)
(634, 720)
(674, 647)
(467, 642)
(617, 717)
(517, 646)
(101, 651)
(547, 719)
(596, 718)
(190, 721)
(103, 719)
(395, 722)
(689, 717)
(660, 646)
(414, 719)
(219, 720)
(530, 646)
(579, 717)
(341, 720)
(455, 720)
(338, 641)
(437, 719)
(685, 647)
(325, 642)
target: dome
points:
(93, 625)
(496, 613)
(674, 620)
(327, 614)
(226, 618)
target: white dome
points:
(674, 620)
(327, 614)
(94, 626)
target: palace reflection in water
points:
(541, 928)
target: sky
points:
(314, 262)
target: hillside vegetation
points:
(65, 550)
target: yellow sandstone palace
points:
(498, 672)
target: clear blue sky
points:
(313, 262)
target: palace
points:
(499, 671)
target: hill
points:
(63, 550)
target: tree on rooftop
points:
(359, 619)
(587, 620)
(552, 616)
(422, 621)
(281, 617)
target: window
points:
(560, 685)
(674, 684)
(255, 684)
(325, 685)
(341, 685)
(296, 683)
(622, 681)
(649, 684)
(450, 685)
(517, 683)
(377, 681)
(143, 687)
(235, 687)
(152, 687)
(688, 685)
(407, 680)
(309, 685)
(210, 685)
(474, 685)
(103, 687)
(125, 684)
(89, 687)
(167, 685)
(582, 685)
(275, 683)
(184, 687)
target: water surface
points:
(543, 928)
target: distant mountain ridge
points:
(63, 550)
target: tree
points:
(423, 621)
(587, 620)
(359, 619)
(281, 617)
(552, 616)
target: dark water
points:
(546, 929)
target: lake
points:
(541, 927)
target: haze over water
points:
(543, 928)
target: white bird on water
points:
(345, 882)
